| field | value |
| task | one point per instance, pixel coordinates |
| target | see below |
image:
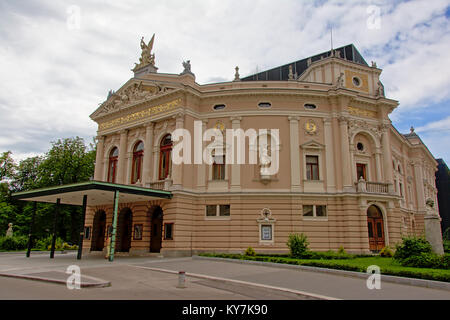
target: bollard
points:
(181, 279)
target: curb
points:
(58, 281)
(432, 284)
(259, 285)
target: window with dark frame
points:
(168, 231)
(218, 167)
(112, 165)
(87, 233)
(312, 167)
(310, 210)
(138, 155)
(165, 150)
(218, 210)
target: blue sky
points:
(58, 60)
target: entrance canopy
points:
(98, 193)
(93, 193)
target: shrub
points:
(44, 243)
(424, 260)
(250, 252)
(341, 250)
(386, 252)
(298, 244)
(446, 244)
(13, 243)
(411, 246)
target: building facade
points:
(346, 177)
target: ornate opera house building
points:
(346, 177)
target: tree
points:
(68, 161)
(7, 166)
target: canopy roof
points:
(98, 193)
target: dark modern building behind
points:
(443, 195)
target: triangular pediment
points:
(131, 93)
(312, 145)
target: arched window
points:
(112, 165)
(165, 149)
(138, 154)
(218, 166)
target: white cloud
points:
(53, 77)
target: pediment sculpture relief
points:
(134, 93)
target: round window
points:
(356, 81)
(310, 106)
(360, 146)
(219, 107)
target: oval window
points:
(310, 106)
(356, 81)
(264, 104)
(360, 146)
(219, 107)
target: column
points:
(387, 156)
(122, 157)
(235, 167)
(83, 217)
(295, 154)
(148, 147)
(345, 155)
(201, 168)
(55, 224)
(378, 164)
(114, 226)
(329, 155)
(98, 173)
(30, 234)
(177, 169)
(420, 192)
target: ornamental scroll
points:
(140, 115)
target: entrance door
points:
(156, 230)
(124, 230)
(98, 234)
(375, 228)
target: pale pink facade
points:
(348, 128)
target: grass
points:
(388, 266)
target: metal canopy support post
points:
(52, 252)
(30, 234)
(114, 226)
(83, 217)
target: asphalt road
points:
(129, 281)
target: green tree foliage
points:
(69, 160)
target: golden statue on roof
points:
(146, 55)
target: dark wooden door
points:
(126, 233)
(156, 231)
(101, 233)
(376, 233)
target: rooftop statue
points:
(146, 55)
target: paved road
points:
(330, 285)
(130, 282)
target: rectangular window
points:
(312, 167)
(211, 210)
(400, 188)
(218, 168)
(266, 232)
(315, 211)
(224, 210)
(87, 233)
(219, 210)
(361, 171)
(168, 231)
(308, 211)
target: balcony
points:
(373, 187)
(161, 185)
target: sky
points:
(59, 59)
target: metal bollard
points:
(181, 279)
